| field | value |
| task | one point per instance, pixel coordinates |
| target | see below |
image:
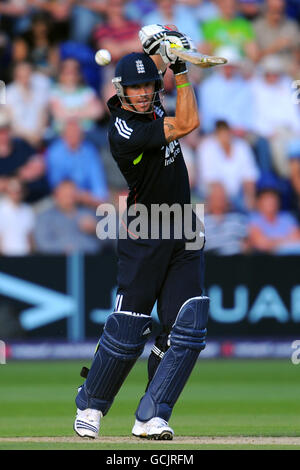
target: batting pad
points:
(187, 339)
(122, 342)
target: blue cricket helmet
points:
(136, 68)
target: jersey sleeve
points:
(130, 139)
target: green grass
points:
(113, 447)
(222, 398)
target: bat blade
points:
(195, 57)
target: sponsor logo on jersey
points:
(171, 152)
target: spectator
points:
(38, 45)
(85, 16)
(223, 158)
(250, 9)
(293, 153)
(74, 158)
(16, 221)
(226, 231)
(70, 98)
(27, 102)
(59, 11)
(293, 9)
(13, 15)
(275, 33)
(276, 119)
(174, 13)
(18, 158)
(205, 10)
(225, 95)
(189, 158)
(230, 30)
(137, 9)
(271, 230)
(118, 34)
(5, 58)
(65, 228)
(294, 68)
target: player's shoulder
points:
(125, 126)
(121, 128)
(135, 131)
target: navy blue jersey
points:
(154, 169)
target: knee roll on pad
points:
(125, 335)
(187, 339)
(122, 342)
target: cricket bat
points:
(195, 57)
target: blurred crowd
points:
(55, 163)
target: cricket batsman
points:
(144, 143)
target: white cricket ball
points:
(103, 57)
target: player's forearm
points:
(186, 114)
(160, 64)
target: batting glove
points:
(178, 67)
(151, 37)
(173, 40)
(180, 39)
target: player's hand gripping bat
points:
(171, 44)
(195, 57)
